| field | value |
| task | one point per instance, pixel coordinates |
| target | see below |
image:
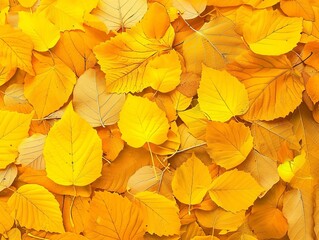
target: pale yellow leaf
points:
(35, 207)
(269, 136)
(190, 8)
(31, 152)
(215, 45)
(14, 94)
(262, 168)
(91, 101)
(120, 14)
(143, 179)
(7, 176)
(161, 213)
(294, 212)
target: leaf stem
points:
(152, 158)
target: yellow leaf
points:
(268, 223)
(156, 21)
(39, 177)
(288, 169)
(35, 207)
(75, 213)
(180, 101)
(31, 152)
(4, 9)
(6, 72)
(42, 32)
(120, 15)
(14, 128)
(13, 234)
(141, 121)
(15, 49)
(171, 145)
(270, 33)
(315, 214)
(269, 137)
(112, 143)
(298, 8)
(66, 15)
(191, 230)
(51, 87)
(262, 168)
(14, 94)
(91, 101)
(143, 179)
(220, 219)
(27, 3)
(195, 120)
(124, 57)
(116, 175)
(190, 8)
(68, 236)
(68, 162)
(221, 96)
(215, 44)
(6, 220)
(234, 190)
(274, 87)
(114, 217)
(191, 181)
(294, 212)
(228, 143)
(75, 49)
(261, 3)
(161, 213)
(312, 87)
(7, 176)
(163, 72)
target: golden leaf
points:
(68, 162)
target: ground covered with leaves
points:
(159, 119)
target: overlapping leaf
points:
(14, 128)
(234, 190)
(91, 101)
(15, 48)
(270, 33)
(221, 96)
(141, 121)
(228, 143)
(35, 207)
(114, 217)
(274, 87)
(191, 181)
(51, 87)
(119, 15)
(124, 57)
(161, 213)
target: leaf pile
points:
(159, 119)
